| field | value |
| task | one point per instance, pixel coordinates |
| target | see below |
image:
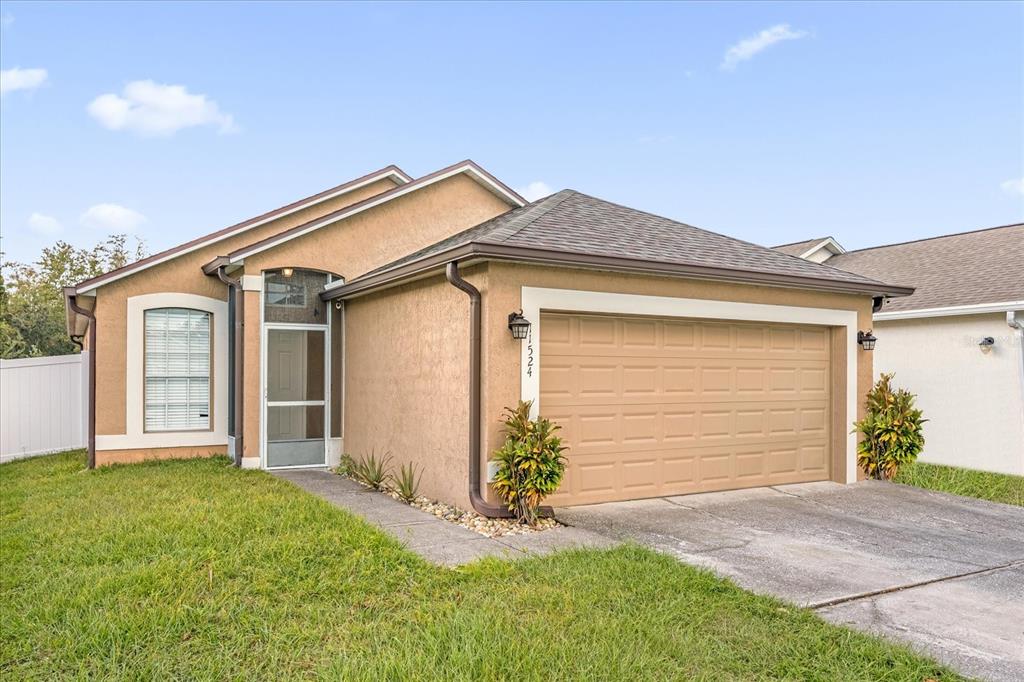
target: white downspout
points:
(1017, 325)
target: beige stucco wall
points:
(105, 457)
(407, 361)
(406, 379)
(388, 232)
(179, 275)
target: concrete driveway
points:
(940, 572)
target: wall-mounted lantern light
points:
(518, 325)
(866, 340)
(986, 344)
(287, 272)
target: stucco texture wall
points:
(406, 381)
(179, 275)
(973, 400)
(387, 232)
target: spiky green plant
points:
(891, 433)
(530, 463)
(372, 470)
(407, 483)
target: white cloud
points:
(154, 109)
(535, 190)
(748, 47)
(112, 218)
(1014, 186)
(21, 79)
(44, 224)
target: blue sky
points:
(871, 122)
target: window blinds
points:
(177, 391)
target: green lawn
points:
(967, 482)
(198, 570)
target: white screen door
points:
(296, 408)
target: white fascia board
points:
(399, 177)
(950, 311)
(394, 194)
(830, 243)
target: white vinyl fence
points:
(44, 404)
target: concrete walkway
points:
(436, 540)
(940, 572)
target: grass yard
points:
(194, 569)
(1003, 488)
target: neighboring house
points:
(956, 342)
(377, 316)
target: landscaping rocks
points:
(491, 528)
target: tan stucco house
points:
(375, 316)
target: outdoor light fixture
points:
(518, 325)
(866, 340)
(287, 272)
(986, 344)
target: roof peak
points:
(805, 241)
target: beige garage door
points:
(653, 407)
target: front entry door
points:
(296, 420)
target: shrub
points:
(531, 464)
(346, 466)
(890, 431)
(407, 483)
(371, 470)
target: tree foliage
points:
(32, 318)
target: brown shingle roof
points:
(569, 226)
(986, 266)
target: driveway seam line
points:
(910, 586)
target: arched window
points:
(292, 295)
(177, 369)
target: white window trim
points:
(135, 436)
(536, 299)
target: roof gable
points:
(807, 249)
(392, 172)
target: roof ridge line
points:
(527, 217)
(928, 239)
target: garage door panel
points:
(579, 334)
(624, 427)
(593, 378)
(653, 407)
